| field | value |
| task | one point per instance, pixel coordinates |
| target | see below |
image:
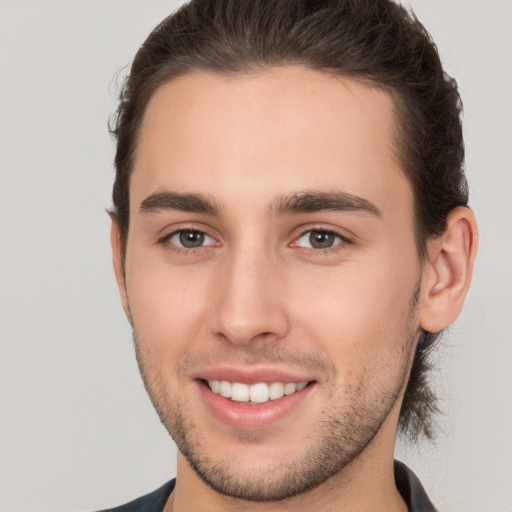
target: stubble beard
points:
(338, 439)
(335, 443)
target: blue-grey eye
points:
(319, 239)
(190, 239)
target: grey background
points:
(77, 430)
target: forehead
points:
(266, 134)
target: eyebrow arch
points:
(161, 201)
(312, 201)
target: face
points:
(271, 275)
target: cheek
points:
(361, 315)
(168, 309)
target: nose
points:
(250, 300)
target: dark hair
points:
(376, 41)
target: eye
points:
(319, 239)
(190, 239)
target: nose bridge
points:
(249, 296)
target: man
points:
(290, 233)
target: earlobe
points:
(448, 271)
(118, 263)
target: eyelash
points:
(165, 241)
(344, 241)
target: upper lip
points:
(251, 376)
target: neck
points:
(367, 484)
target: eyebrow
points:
(295, 203)
(312, 201)
(162, 201)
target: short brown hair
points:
(376, 41)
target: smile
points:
(258, 393)
(253, 401)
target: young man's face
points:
(271, 247)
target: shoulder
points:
(153, 502)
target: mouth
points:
(257, 402)
(258, 393)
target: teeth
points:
(290, 388)
(214, 385)
(257, 393)
(276, 390)
(239, 392)
(301, 385)
(225, 389)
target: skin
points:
(255, 296)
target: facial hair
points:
(348, 425)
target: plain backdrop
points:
(77, 430)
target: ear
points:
(447, 273)
(118, 263)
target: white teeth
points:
(225, 388)
(290, 388)
(301, 385)
(276, 390)
(214, 385)
(239, 392)
(257, 393)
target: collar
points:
(412, 491)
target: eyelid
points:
(341, 245)
(324, 229)
(177, 233)
(165, 239)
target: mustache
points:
(257, 355)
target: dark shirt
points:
(406, 481)
(411, 490)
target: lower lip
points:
(252, 417)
